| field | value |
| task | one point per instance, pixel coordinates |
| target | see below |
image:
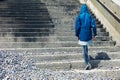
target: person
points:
(84, 26)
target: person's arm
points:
(93, 24)
(77, 27)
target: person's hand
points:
(94, 38)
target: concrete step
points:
(29, 30)
(38, 17)
(40, 13)
(70, 18)
(35, 13)
(39, 28)
(26, 22)
(22, 10)
(73, 56)
(29, 44)
(40, 22)
(44, 9)
(73, 34)
(22, 7)
(73, 31)
(65, 25)
(70, 23)
(37, 7)
(61, 50)
(34, 2)
(98, 74)
(22, 25)
(40, 4)
(60, 11)
(24, 15)
(28, 18)
(39, 31)
(78, 64)
(38, 25)
(99, 25)
(8, 14)
(43, 38)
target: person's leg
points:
(86, 57)
(85, 48)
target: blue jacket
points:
(85, 24)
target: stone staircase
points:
(45, 31)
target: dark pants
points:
(86, 57)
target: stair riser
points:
(52, 10)
(22, 22)
(22, 15)
(26, 18)
(26, 21)
(50, 33)
(41, 15)
(73, 56)
(42, 22)
(47, 45)
(55, 21)
(39, 4)
(37, 18)
(38, 27)
(40, 9)
(37, 11)
(72, 18)
(36, 7)
(78, 65)
(48, 26)
(73, 34)
(60, 50)
(42, 28)
(44, 39)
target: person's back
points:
(84, 23)
(83, 30)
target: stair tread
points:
(75, 56)
(61, 42)
(78, 64)
(81, 61)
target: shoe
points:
(88, 67)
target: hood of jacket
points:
(84, 9)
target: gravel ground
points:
(14, 66)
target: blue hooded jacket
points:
(85, 24)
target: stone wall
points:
(112, 6)
(110, 23)
(116, 2)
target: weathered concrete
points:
(78, 64)
(113, 7)
(109, 22)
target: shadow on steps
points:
(25, 17)
(97, 59)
